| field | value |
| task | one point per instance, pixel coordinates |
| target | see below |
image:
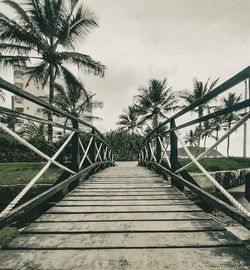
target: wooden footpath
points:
(125, 217)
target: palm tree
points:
(199, 91)
(44, 31)
(207, 131)
(9, 120)
(129, 120)
(155, 101)
(232, 116)
(32, 129)
(191, 138)
(76, 101)
(217, 125)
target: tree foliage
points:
(47, 32)
(155, 102)
(129, 121)
(124, 144)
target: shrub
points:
(13, 151)
(124, 144)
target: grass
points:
(218, 164)
(6, 235)
(22, 173)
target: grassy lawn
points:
(6, 235)
(218, 164)
(22, 173)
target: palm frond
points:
(83, 61)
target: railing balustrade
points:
(153, 153)
(89, 157)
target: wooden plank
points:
(124, 240)
(185, 215)
(223, 258)
(122, 189)
(134, 193)
(66, 202)
(114, 209)
(126, 180)
(123, 226)
(136, 199)
(119, 185)
(127, 197)
(108, 181)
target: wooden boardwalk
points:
(125, 218)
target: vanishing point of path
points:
(125, 217)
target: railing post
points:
(149, 151)
(92, 150)
(174, 155)
(157, 148)
(144, 155)
(75, 154)
(149, 154)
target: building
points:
(22, 105)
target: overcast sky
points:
(178, 39)
(143, 39)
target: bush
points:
(124, 144)
(13, 151)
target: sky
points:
(180, 40)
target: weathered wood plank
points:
(119, 185)
(67, 202)
(229, 258)
(195, 215)
(126, 197)
(114, 209)
(124, 240)
(126, 180)
(110, 193)
(124, 190)
(123, 226)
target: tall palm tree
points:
(129, 120)
(207, 131)
(191, 138)
(45, 31)
(76, 101)
(217, 125)
(155, 101)
(199, 90)
(232, 116)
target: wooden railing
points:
(89, 157)
(153, 153)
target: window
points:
(19, 102)
(18, 109)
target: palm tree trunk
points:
(228, 140)
(155, 121)
(51, 97)
(217, 137)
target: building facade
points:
(22, 105)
